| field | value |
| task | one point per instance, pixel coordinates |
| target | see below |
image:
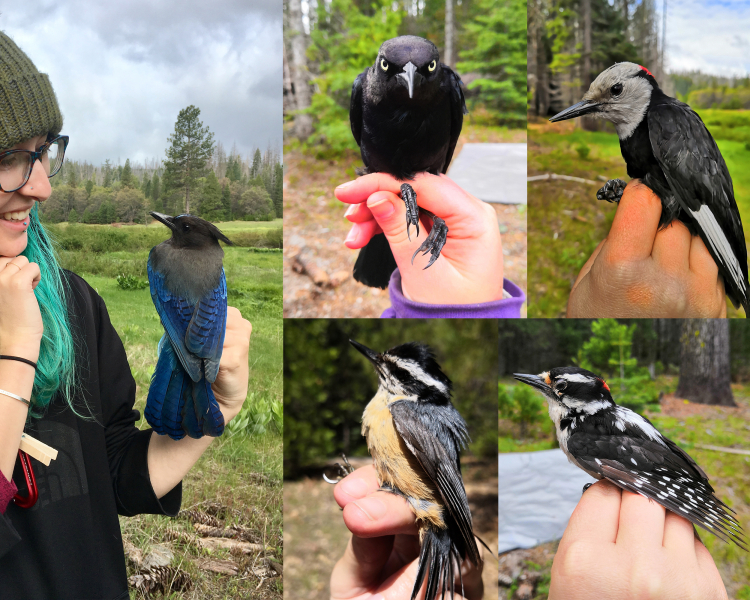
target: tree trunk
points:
(448, 58)
(542, 72)
(705, 372)
(302, 121)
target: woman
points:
(65, 380)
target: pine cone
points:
(198, 516)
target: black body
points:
(402, 135)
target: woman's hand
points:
(380, 561)
(230, 387)
(639, 271)
(620, 546)
(470, 267)
(21, 325)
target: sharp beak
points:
(584, 107)
(534, 381)
(371, 355)
(166, 219)
(410, 76)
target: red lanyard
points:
(33, 492)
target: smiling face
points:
(15, 206)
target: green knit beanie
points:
(28, 106)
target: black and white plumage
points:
(667, 146)
(614, 443)
(414, 435)
(406, 114)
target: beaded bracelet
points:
(19, 359)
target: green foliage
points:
(258, 415)
(130, 282)
(278, 191)
(583, 151)
(73, 216)
(156, 192)
(130, 205)
(256, 205)
(234, 168)
(255, 169)
(522, 405)
(127, 179)
(89, 186)
(211, 207)
(495, 48)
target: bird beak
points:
(584, 107)
(410, 76)
(371, 355)
(166, 219)
(534, 381)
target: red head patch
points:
(604, 383)
(649, 72)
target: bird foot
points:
(585, 487)
(434, 242)
(343, 471)
(611, 191)
(409, 196)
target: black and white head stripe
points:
(413, 368)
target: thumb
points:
(389, 211)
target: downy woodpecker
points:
(414, 435)
(406, 114)
(666, 145)
(614, 443)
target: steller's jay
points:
(189, 290)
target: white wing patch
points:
(625, 415)
(417, 372)
(720, 244)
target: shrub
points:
(129, 282)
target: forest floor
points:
(313, 219)
(315, 535)
(567, 222)
(691, 425)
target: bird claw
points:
(585, 487)
(434, 242)
(343, 471)
(611, 191)
(409, 196)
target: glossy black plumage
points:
(402, 135)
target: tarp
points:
(492, 172)
(537, 494)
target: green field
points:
(566, 222)
(242, 471)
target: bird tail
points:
(202, 415)
(439, 563)
(375, 263)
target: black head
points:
(410, 370)
(191, 232)
(573, 387)
(408, 67)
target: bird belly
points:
(397, 468)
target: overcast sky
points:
(710, 36)
(122, 70)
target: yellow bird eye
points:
(432, 66)
(383, 64)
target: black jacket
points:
(68, 546)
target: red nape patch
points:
(649, 72)
(604, 383)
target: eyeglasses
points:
(16, 165)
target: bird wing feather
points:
(355, 106)
(175, 313)
(700, 180)
(458, 110)
(437, 453)
(205, 332)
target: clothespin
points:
(39, 450)
(44, 454)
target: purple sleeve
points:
(403, 308)
(7, 491)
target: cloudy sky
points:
(122, 70)
(708, 35)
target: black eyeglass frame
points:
(36, 155)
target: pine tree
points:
(226, 201)
(87, 216)
(192, 146)
(278, 190)
(107, 174)
(147, 187)
(156, 192)
(211, 208)
(73, 216)
(256, 168)
(72, 176)
(127, 179)
(89, 187)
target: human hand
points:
(380, 561)
(637, 271)
(230, 387)
(632, 548)
(21, 325)
(470, 267)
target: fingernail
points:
(354, 487)
(345, 185)
(382, 209)
(373, 508)
(351, 210)
(352, 235)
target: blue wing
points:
(205, 333)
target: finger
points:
(359, 190)
(589, 263)
(358, 213)
(702, 263)
(597, 515)
(381, 513)
(641, 522)
(634, 227)
(356, 485)
(358, 571)
(400, 585)
(678, 533)
(672, 247)
(361, 233)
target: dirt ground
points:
(315, 535)
(313, 219)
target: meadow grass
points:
(566, 222)
(242, 470)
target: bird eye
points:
(432, 66)
(616, 89)
(560, 385)
(186, 227)
(383, 64)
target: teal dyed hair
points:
(56, 368)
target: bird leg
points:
(409, 196)
(435, 241)
(611, 191)
(343, 471)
